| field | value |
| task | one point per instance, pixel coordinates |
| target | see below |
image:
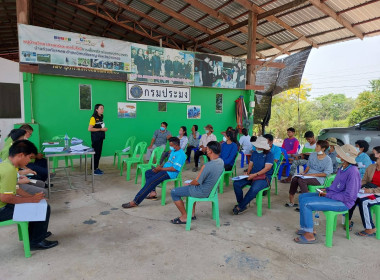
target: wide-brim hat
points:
(347, 152)
(332, 141)
(261, 143)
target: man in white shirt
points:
(207, 137)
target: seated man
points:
(291, 143)
(205, 139)
(19, 155)
(159, 139)
(200, 187)
(159, 174)
(301, 160)
(275, 150)
(331, 152)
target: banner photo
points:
(40, 45)
(219, 71)
(157, 93)
(161, 65)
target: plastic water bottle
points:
(66, 141)
(343, 219)
(316, 220)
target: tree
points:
(367, 104)
(333, 106)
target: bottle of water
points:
(316, 220)
(343, 219)
(66, 141)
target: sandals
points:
(350, 226)
(302, 232)
(154, 197)
(238, 211)
(177, 221)
(302, 240)
(365, 234)
(288, 204)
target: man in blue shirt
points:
(156, 176)
(275, 150)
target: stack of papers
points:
(241, 177)
(76, 141)
(79, 148)
(53, 150)
(304, 176)
(50, 143)
(30, 212)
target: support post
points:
(22, 9)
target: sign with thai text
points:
(157, 93)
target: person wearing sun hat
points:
(330, 151)
(340, 196)
(259, 175)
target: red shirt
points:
(376, 178)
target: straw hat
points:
(332, 141)
(262, 143)
(347, 152)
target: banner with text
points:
(157, 93)
(49, 46)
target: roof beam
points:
(330, 12)
(188, 21)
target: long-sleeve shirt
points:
(228, 153)
(346, 186)
(291, 145)
(365, 161)
(206, 138)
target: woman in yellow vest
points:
(97, 129)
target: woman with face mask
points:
(362, 159)
(319, 165)
(340, 196)
(229, 151)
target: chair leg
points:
(221, 184)
(268, 194)
(118, 160)
(129, 167)
(335, 222)
(114, 158)
(275, 182)
(25, 237)
(347, 221)
(137, 174)
(19, 232)
(330, 219)
(189, 212)
(143, 179)
(215, 212)
(121, 168)
(259, 203)
(163, 193)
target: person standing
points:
(97, 129)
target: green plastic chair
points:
(227, 175)
(328, 181)
(331, 221)
(153, 161)
(177, 183)
(119, 153)
(56, 159)
(275, 173)
(375, 209)
(137, 157)
(213, 197)
(23, 234)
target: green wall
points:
(56, 109)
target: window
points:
(10, 101)
(85, 99)
(162, 106)
(372, 125)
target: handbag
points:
(370, 186)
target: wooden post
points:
(251, 54)
(22, 8)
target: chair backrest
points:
(156, 154)
(214, 190)
(237, 155)
(329, 179)
(130, 142)
(285, 155)
(139, 149)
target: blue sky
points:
(345, 67)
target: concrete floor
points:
(100, 240)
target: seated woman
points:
(229, 152)
(362, 159)
(260, 172)
(319, 165)
(340, 196)
(370, 185)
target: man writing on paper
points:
(19, 155)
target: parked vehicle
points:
(368, 130)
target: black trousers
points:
(37, 230)
(197, 155)
(188, 151)
(40, 166)
(97, 145)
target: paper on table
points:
(304, 176)
(53, 149)
(241, 177)
(30, 212)
(49, 143)
(78, 148)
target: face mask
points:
(328, 149)
(207, 131)
(260, 151)
(224, 139)
(171, 148)
(338, 160)
(358, 149)
(162, 128)
(320, 153)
